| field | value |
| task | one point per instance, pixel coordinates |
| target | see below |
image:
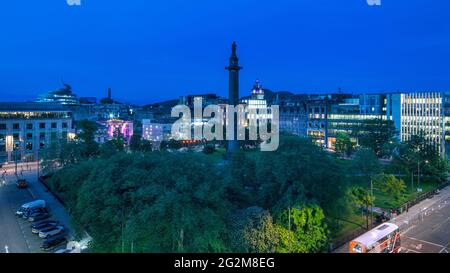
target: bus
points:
(385, 238)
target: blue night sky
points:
(152, 50)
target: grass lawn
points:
(352, 222)
(384, 201)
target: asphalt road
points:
(15, 232)
(431, 235)
(425, 228)
(11, 237)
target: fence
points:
(421, 215)
(420, 198)
(341, 241)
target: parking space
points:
(16, 235)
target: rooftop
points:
(32, 107)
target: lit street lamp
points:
(418, 175)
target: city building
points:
(422, 113)
(112, 128)
(257, 103)
(27, 128)
(63, 96)
(156, 132)
(347, 115)
(293, 117)
(317, 110)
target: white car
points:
(63, 250)
(51, 232)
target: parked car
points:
(53, 242)
(41, 227)
(22, 184)
(38, 224)
(29, 206)
(33, 212)
(46, 233)
(38, 217)
(63, 250)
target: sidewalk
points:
(414, 214)
(417, 212)
(24, 165)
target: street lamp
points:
(9, 145)
(418, 175)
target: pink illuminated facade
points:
(112, 128)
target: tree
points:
(160, 202)
(418, 152)
(343, 145)
(390, 185)
(252, 231)
(146, 145)
(136, 142)
(362, 198)
(375, 133)
(181, 202)
(171, 144)
(209, 149)
(308, 231)
(365, 162)
(86, 136)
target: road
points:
(425, 228)
(431, 235)
(15, 235)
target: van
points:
(33, 211)
(29, 206)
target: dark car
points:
(38, 217)
(39, 224)
(43, 226)
(53, 242)
(34, 211)
(22, 184)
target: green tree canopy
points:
(375, 134)
(308, 231)
(390, 185)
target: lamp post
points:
(15, 159)
(371, 203)
(418, 174)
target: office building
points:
(27, 128)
